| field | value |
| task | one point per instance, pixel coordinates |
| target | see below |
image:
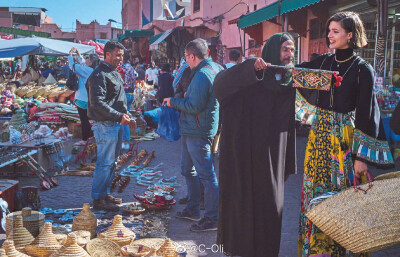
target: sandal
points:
(80, 143)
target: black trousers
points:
(85, 124)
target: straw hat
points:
(118, 233)
(71, 248)
(10, 250)
(21, 235)
(102, 247)
(168, 249)
(45, 244)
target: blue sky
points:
(64, 13)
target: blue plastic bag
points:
(168, 124)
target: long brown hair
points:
(350, 22)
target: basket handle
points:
(356, 183)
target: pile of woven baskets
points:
(50, 91)
(25, 239)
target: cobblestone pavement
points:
(74, 191)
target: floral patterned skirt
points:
(328, 167)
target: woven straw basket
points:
(389, 175)
(2, 253)
(118, 233)
(102, 247)
(71, 248)
(10, 250)
(362, 222)
(168, 249)
(85, 220)
(32, 221)
(21, 236)
(45, 244)
(135, 250)
(82, 237)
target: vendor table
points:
(38, 149)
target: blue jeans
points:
(108, 136)
(197, 167)
(126, 135)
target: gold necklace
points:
(343, 60)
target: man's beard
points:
(286, 73)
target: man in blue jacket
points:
(198, 126)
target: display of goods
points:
(70, 248)
(45, 244)
(10, 250)
(134, 208)
(102, 247)
(139, 157)
(149, 158)
(32, 221)
(18, 119)
(57, 91)
(49, 89)
(118, 233)
(85, 220)
(135, 250)
(20, 235)
(168, 249)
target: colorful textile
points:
(305, 112)
(179, 73)
(311, 80)
(128, 73)
(328, 167)
(370, 149)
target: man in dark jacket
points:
(108, 108)
(198, 126)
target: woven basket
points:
(118, 233)
(135, 250)
(45, 244)
(20, 236)
(2, 253)
(32, 221)
(168, 249)
(102, 247)
(70, 248)
(85, 220)
(362, 222)
(82, 237)
(389, 175)
(10, 250)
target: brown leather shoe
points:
(102, 204)
(112, 199)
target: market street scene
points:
(252, 128)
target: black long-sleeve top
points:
(356, 93)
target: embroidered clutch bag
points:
(312, 79)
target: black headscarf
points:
(271, 53)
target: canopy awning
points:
(154, 45)
(266, 13)
(41, 46)
(25, 33)
(291, 5)
(154, 38)
(134, 33)
(273, 10)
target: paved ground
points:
(74, 191)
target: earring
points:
(348, 41)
